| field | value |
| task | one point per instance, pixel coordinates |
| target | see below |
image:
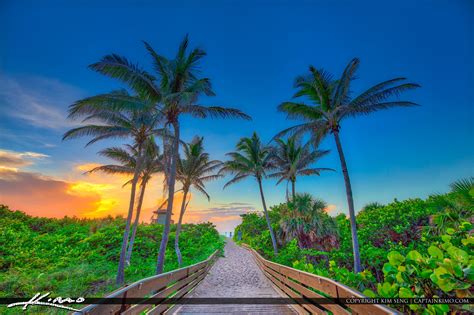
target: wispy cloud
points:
(226, 216)
(37, 101)
(13, 160)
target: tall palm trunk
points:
(272, 234)
(171, 183)
(121, 267)
(178, 228)
(350, 202)
(135, 224)
(293, 189)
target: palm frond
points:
(101, 132)
(112, 169)
(368, 109)
(113, 101)
(300, 111)
(120, 68)
(342, 90)
(236, 179)
(200, 111)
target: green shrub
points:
(79, 257)
(429, 245)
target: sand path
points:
(235, 275)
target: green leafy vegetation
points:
(78, 257)
(410, 248)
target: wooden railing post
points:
(304, 286)
(173, 284)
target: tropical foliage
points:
(110, 123)
(155, 108)
(305, 220)
(332, 102)
(78, 257)
(411, 248)
(252, 159)
(292, 159)
(195, 169)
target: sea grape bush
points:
(78, 257)
(445, 269)
(411, 248)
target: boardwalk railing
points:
(301, 287)
(174, 284)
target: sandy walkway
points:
(235, 275)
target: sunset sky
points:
(255, 50)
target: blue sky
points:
(255, 50)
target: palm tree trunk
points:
(293, 189)
(178, 228)
(272, 234)
(350, 202)
(135, 224)
(171, 183)
(121, 267)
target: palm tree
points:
(127, 159)
(137, 124)
(252, 158)
(305, 220)
(293, 159)
(332, 102)
(194, 170)
(152, 163)
(175, 92)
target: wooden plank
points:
(139, 289)
(311, 307)
(288, 292)
(297, 308)
(322, 284)
(143, 288)
(198, 266)
(325, 285)
(346, 292)
(163, 307)
(164, 293)
(305, 292)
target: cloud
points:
(14, 160)
(38, 101)
(226, 216)
(44, 196)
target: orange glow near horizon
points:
(90, 195)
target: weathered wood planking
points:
(299, 285)
(173, 284)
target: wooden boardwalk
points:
(242, 273)
(235, 276)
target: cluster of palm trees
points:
(286, 160)
(149, 110)
(152, 109)
(329, 101)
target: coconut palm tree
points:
(252, 158)
(137, 124)
(152, 164)
(127, 159)
(292, 159)
(175, 91)
(194, 170)
(332, 102)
